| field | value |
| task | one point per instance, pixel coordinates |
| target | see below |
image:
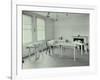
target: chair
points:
(37, 51)
(47, 48)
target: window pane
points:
(27, 19)
(27, 26)
(27, 29)
(27, 36)
(40, 29)
(41, 35)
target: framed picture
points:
(52, 40)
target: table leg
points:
(81, 50)
(52, 50)
(61, 50)
(35, 53)
(29, 52)
(74, 55)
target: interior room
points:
(54, 39)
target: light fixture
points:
(67, 14)
(48, 14)
(56, 17)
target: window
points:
(27, 29)
(40, 29)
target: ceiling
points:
(53, 15)
(58, 15)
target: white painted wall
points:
(49, 29)
(72, 25)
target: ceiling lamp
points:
(48, 14)
(56, 17)
(67, 14)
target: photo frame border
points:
(14, 57)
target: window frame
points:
(38, 17)
(31, 29)
(17, 72)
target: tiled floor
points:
(56, 59)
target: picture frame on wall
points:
(27, 64)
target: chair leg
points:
(22, 61)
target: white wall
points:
(49, 29)
(72, 25)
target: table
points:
(61, 44)
(80, 44)
(29, 48)
(33, 46)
